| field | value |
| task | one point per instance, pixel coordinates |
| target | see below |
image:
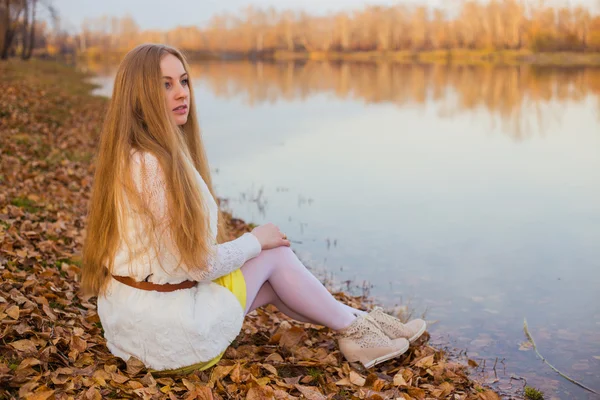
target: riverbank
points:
(453, 56)
(52, 344)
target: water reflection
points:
(512, 93)
(509, 92)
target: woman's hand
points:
(270, 236)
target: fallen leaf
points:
(134, 366)
(488, 395)
(292, 337)
(425, 362)
(203, 393)
(220, 372)
(270, 368)
(28, 362)
(24, 345)
(236, 374)
(399, 380)
(43, 395)
(263, 381)
(417, 393)
(310, 393)
(260, 393)
(344, 382)
(93, 394)
(356, 379)
(118, 378)
(13, 312)
(274, 358)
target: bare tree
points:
(12, 13)
(29, 34)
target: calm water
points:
(470, 194)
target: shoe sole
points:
(419, 333)
(386, 357)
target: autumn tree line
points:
(471, 25)
(468, 25)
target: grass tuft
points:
(532, 393)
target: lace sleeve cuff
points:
(228, 257)
(250, 244)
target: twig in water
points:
(530, 338)
(495, 373)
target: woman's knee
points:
(281, 252)
(284, 257)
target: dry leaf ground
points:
(51, 344)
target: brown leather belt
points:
(165, 287)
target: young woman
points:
(171, 290)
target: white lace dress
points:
(173, 329)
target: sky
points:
(160, 14)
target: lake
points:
(470, 194)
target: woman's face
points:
(177, 91)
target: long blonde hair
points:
(137, 119)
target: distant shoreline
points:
(456, 56)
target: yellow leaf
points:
(425, 362)
(165, 389)
(399, 379)
(137, 385)
(189, 385)
(40, 395)
(13, 312)
(219, 372)
(270, 368)
(100, 376)
(472, 363)
(356, 379)
(263, 381)
(446, 388)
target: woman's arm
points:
(228, 257)
(224, 258)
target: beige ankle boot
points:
(363, 341)
(395, 329)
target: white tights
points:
(278, 277)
